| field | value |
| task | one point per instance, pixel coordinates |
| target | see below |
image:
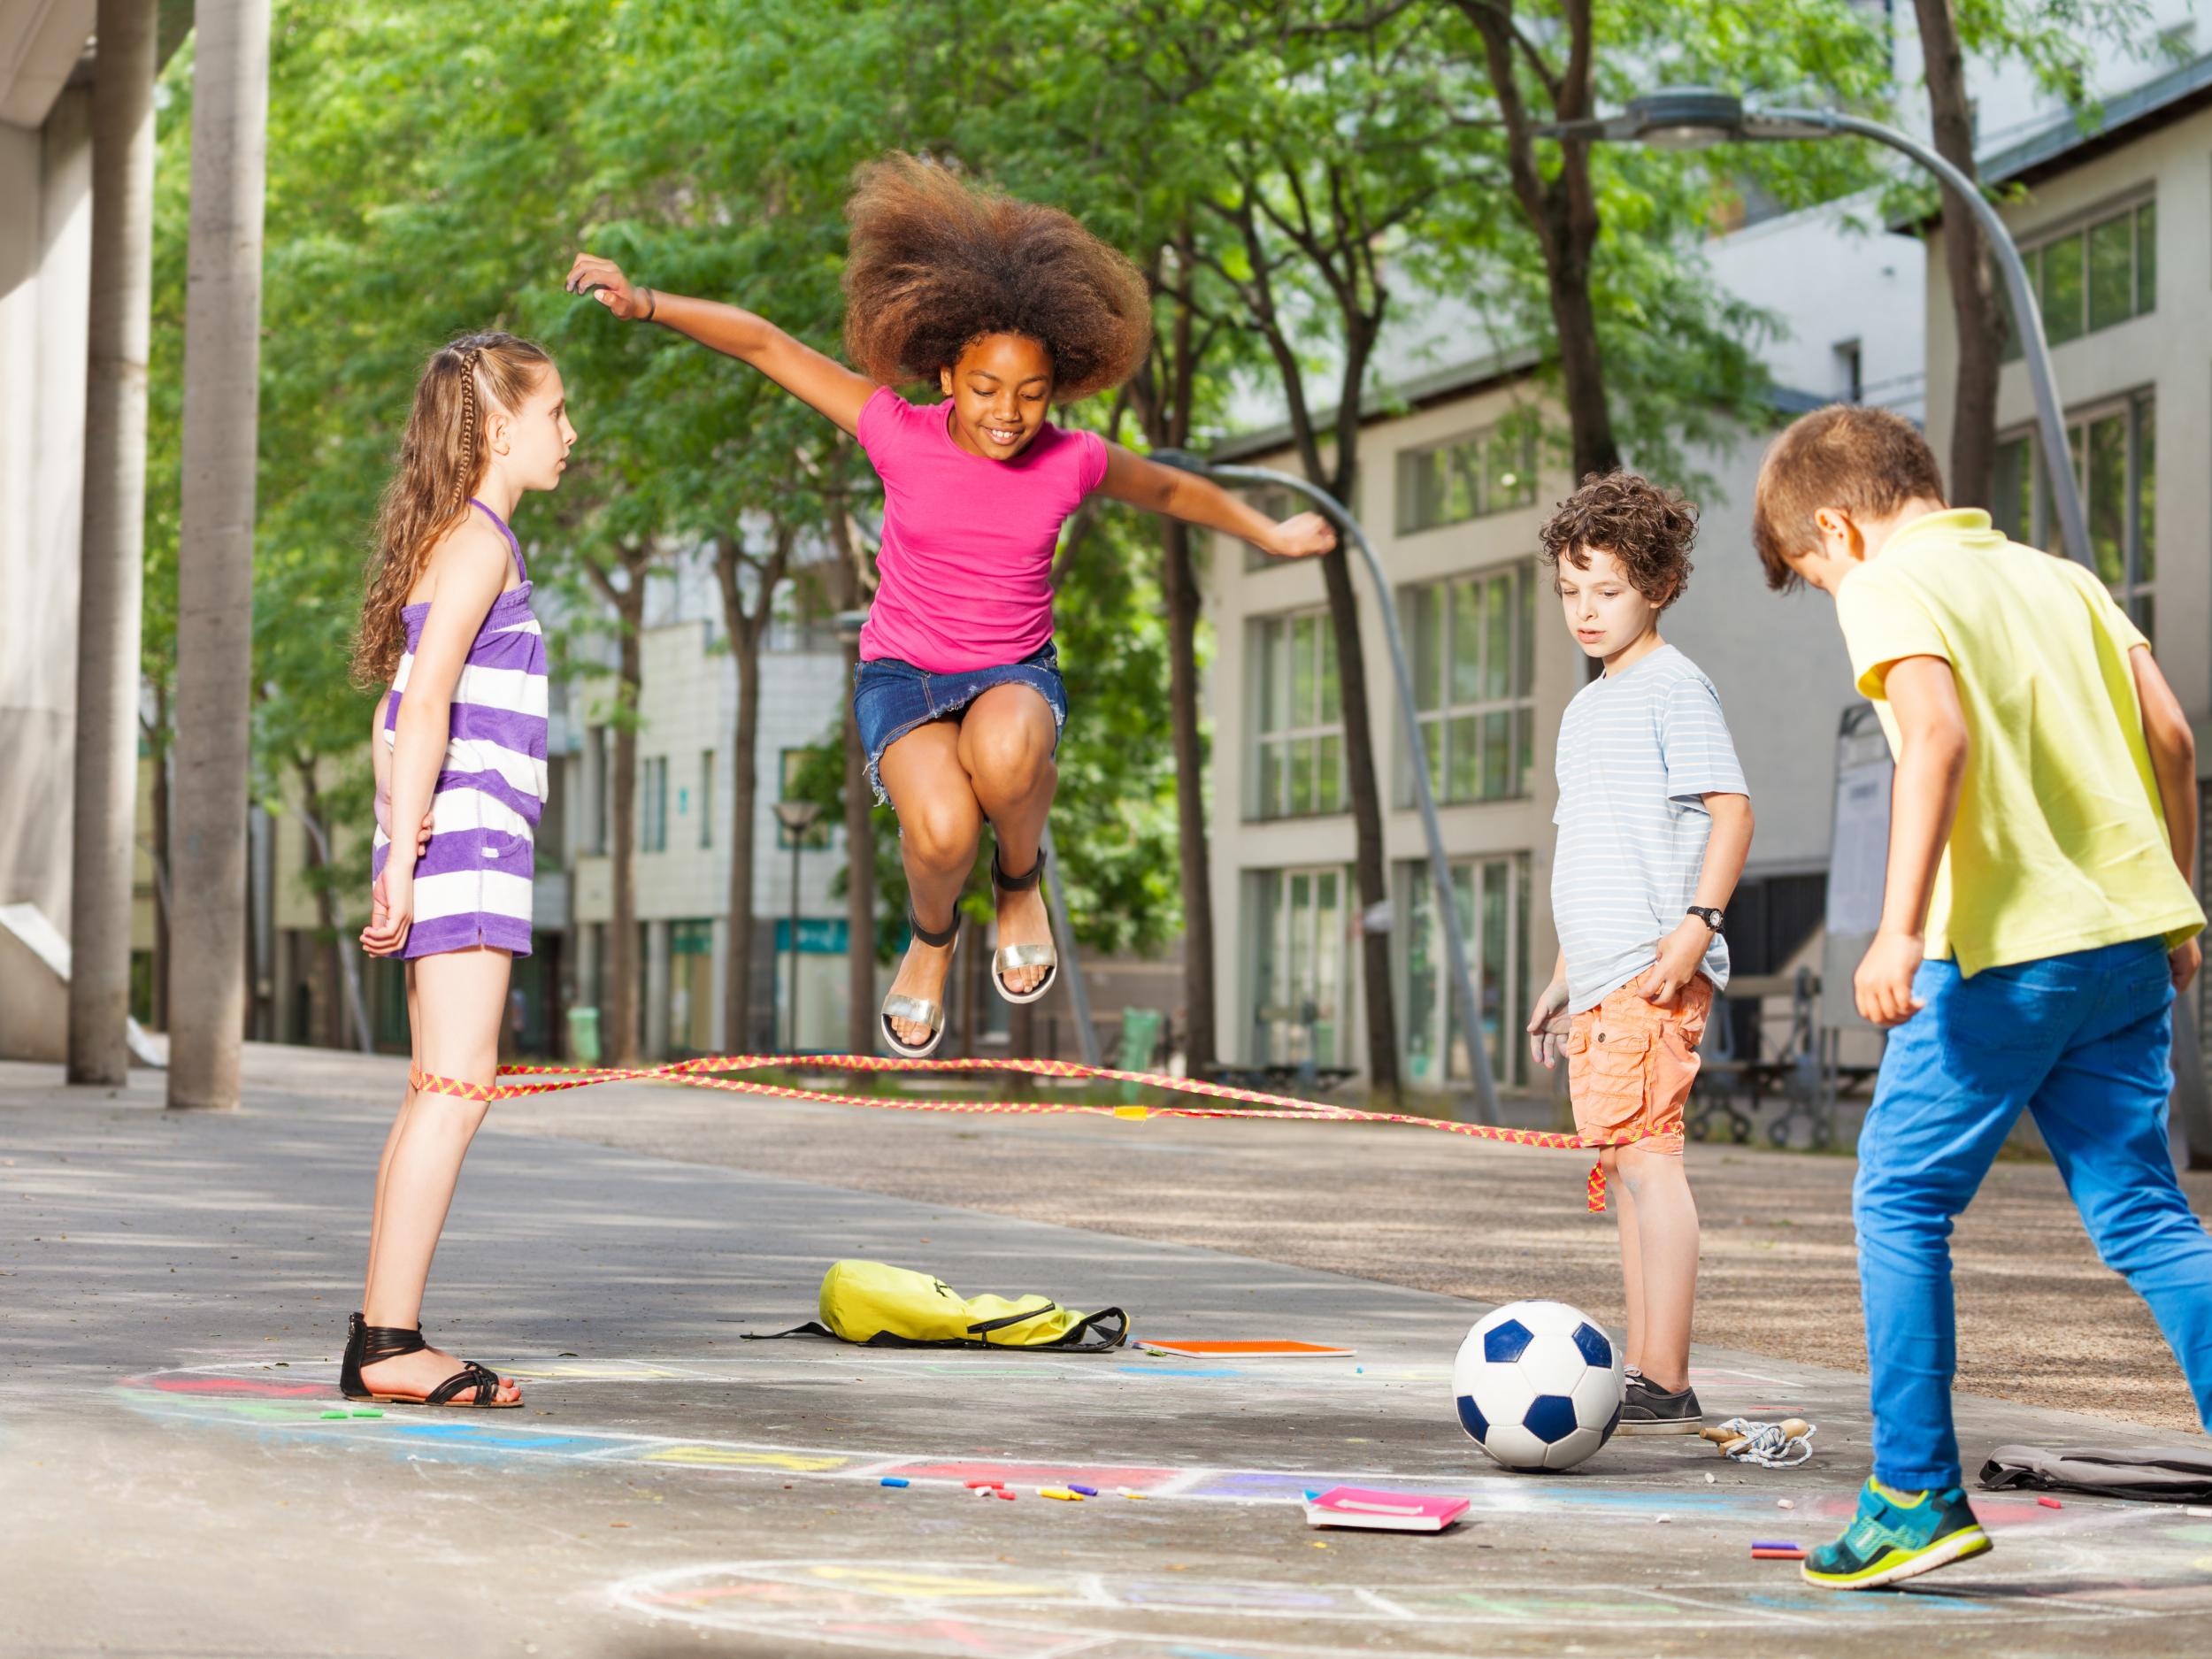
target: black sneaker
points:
(1650, 1409)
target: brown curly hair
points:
(936, 264)
(442, 460)
(1649, 530)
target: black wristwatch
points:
(1712, 917)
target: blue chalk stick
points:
(1088, 1492)
(895, 1480)
(1775, 1544)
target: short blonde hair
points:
(1867, 461)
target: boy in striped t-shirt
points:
(1654, 823)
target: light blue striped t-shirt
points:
(1636, 751)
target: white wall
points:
(45, 257)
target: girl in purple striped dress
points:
(447, 626)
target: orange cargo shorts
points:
(1630, 1064)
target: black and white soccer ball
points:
(1539, 1386)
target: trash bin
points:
(1140, 1037)
(583, 1035)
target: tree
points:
(215, 552)
(2056, 39)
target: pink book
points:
(1382, 1511)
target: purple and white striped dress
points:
(473, 882)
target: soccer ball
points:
(1538, 1385)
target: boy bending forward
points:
(2037, 921)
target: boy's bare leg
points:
(1624, 1203)
(1665, 1217)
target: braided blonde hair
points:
(442, 461)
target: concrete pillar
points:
(103, 852)
(222, 363)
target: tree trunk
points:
(215, 552)
(737, 1008)
(860, 887)
(341, 973)
(624, 970)
(1370, 874)
(1562, 209)
(1978, 317)
(159, 747)
(1165, 402)
(104, 845)
(745, 628)
(1178, 579)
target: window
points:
(1473, 644)
(1492, 895)
(598, 760)
(706, 797)
(1485, 472)
(1298, 753)
(2102, 273)
(1850, 372)
(2115, 449)
(653, 807)
(1298, 1010)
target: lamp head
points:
(1685, 118)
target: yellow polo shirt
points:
(2060, 844)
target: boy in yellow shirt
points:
(2037, 922)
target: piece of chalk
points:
(984, 1492)
(1061, 1492)
(1139, 1496)
(1709, 1480)
(1665, 1520)
(2196, 1509)
(1784, 1503)
(1777, 1555)
(2050, 1504)
(985, 1484)
(1003, 1492)
(1088, 1492)
(1774, 1543)
(328, 1415)
(895, 1480)
(368, 1414)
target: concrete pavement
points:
(172, 1293)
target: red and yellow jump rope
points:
(708, 1072)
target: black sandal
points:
(1011, 958)
(921, 1008)
(368, 1344)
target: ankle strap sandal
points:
(920, 1009)
(1011, 958)
(368, 1344)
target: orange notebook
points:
(1247, 1350)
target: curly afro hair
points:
(936, 264)
(1648, 529)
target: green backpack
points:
(881, 1306)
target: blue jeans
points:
(2081, 1041)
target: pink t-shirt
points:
(964, 572)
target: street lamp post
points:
(1424, 797)
(1690, 118)
(797, 818)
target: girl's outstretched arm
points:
(823, 381)
(1199, 501)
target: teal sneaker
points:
(1896, 1535)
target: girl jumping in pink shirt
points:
(1009, 307)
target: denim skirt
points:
(891, 698)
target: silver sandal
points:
(921, 1008)
(1011, 958)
